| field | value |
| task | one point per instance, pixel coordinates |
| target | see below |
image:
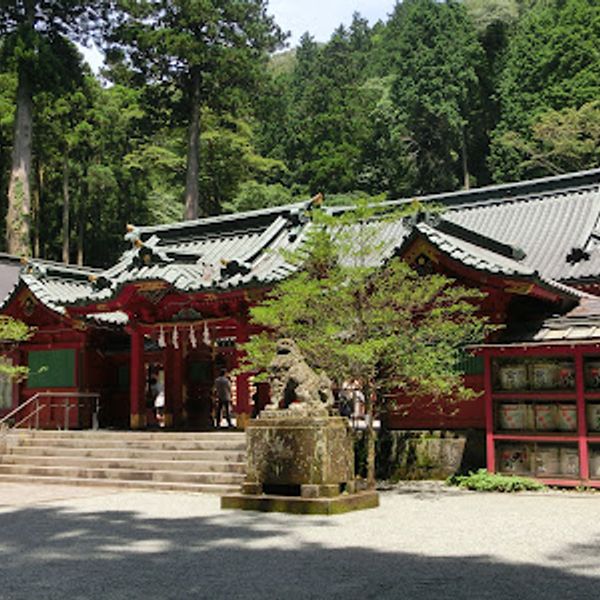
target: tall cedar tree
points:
(320, 121)
(35, 33)
(213, 50)
(437, 87)
(387, 327)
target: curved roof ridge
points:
(510, 192)
(222, 219)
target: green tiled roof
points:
(546, 230)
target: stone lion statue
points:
(294, 382)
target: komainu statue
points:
(294, 384)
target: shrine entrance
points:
(186, 371)
(183, 341)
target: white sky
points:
(318, 17)
(321, 17)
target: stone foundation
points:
(313, 452)
(428, 454)
(302, 506)
(300, 462)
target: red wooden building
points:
(175, 307)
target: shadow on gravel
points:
(49, 553)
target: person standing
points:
(223, 393)
(157, 391)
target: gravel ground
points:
(425, 541)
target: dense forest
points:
(200, 109)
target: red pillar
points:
(137, 404)
(489, 414)
(584, 465)
(177, 403)
(173, 385)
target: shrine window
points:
(51, 369)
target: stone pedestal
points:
(300, 462)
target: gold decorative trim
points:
(421, 247)
(521, 288)
(137, 421)
(150, 286)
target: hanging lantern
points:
(175, 338)
(161, 338)
(193, 340)
(206, 335)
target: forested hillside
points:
(197, 111)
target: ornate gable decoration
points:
(188, 314)
(153, 291)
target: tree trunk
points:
(465, 165)
(193, 152)
(36, 199)
(80, 232)
(19, 190)
(66, 209)
(370, 441)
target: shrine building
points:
(174, 308)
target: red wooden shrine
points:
(175, 307)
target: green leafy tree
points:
(385, 326)
(35, 40)
(558, 141)
(552, 63)
(437, 88)
(8, 87)
(211, 50)
(253, 195)
(231, 159)
(328, 121)
(12, 331)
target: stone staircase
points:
(211, 462)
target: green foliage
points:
(283, 63)
(253, 195)
(320, 113)
(558, 141)
(409, 105)
(386, 326)
(213, 52)
(230, 159)
(382, 325)
(483, 481)
(552, 64)
(12, 331)
(437, 88)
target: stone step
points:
(204, 488)
(126, 463)
(209, 462)
(129, 435)
(129, 453)
(98, 442)
(123, 474)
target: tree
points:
(437, 88)
(211, 50)
(552, 63)
(35, 33)
(12, 331)
(253, 196)
(558, 141)
(395, 331)
(328, 111)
